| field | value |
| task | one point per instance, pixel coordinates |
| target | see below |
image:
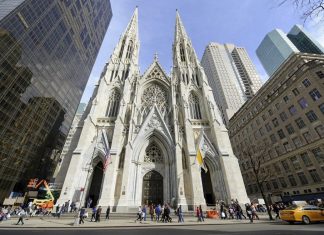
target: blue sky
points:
(241, 22)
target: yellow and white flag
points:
(201, 152)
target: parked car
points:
(305, 214)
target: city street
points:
(258, 228)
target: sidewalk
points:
(50, 222)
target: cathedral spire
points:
(180, 31)
(128, 46)
(132, 27)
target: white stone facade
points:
(152, 123)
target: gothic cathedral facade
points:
(153, 123)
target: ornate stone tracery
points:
(155, 95)
(153, 154)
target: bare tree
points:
(255, 154)
(311, 9)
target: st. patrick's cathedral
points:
(152, 123)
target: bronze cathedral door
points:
(152, 188)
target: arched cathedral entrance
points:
(207, 187)
(152, 188)
(96, 182)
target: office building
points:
(232, 76)
(276, 47)
(47, 50)
(283, 127)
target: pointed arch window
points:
(129, 49)
(194, 106)
(182, 53)
(112, 75)
(113, 104)
(122, 48)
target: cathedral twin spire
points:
(128, 46)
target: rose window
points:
(155, 95)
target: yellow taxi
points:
(305, 214)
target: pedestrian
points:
(94, 213)
(201, 213)
(21, 214)
(152, 211)
(180, 215)
(82, 213)
(158, 212)
(144, 212)
(254, 214)
(167, 217)
(139, 214)
(276, 210)
(107, 212)
(198, 214)
(249, 212)
(98, 213)
(58, 211)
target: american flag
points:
(106, 150)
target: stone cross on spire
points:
(156, 58)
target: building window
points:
(287, 146)
(275, 122)
(274, 184)
(308, 137)
(292, 180)
(316, 178)
(315, 94)
(297, 142)
(306, 159)
(320, 74)
(311, 116)
(320, 130)
(268, 127)
(273, 138)
(194, 107)
(281, 134)
(270, 112)
(264, 117)
(319, 156)
(300, 123)
(129, 49)
(306, 82)
(283, 116)
(261, 131)
(286, 99)
(182, 53)
(303, 103)
(292, 110)
(295, 163)
(283, 182)
(290, 129)
(113, 104)
(285, 165)
(295, 91)
(277, 105)
(302, 178)
(321, 107)
(122, 48)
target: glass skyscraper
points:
(47, 50)
(276, 47)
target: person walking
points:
(58, 211)
(249, 212)
(94, 213)
(107, 212)
(139, 214)
(276, 210)
(158, 212)
(152, 211)
(180, 215)
(81, 216)
(201, 213)
(98, 213)
(21, 214)
(254, 214)
(198, 214)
